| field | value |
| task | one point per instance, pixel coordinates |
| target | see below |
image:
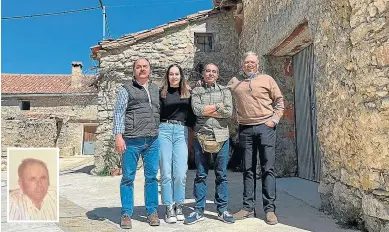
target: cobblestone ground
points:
(92, 203)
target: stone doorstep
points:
(74, 218)
(304, 190)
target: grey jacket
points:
(210, 126)
(142, 116)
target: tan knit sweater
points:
(261, 103)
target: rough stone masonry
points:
(351, 68)
(177, 45)
(51, 122)
(351, 58)
(174, 46)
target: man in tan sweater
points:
(260, 106)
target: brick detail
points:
(289, 111)
(299, 29)
(288, 67)
(289, 134)
(239, 24)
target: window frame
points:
(22, 105)
(207, 37)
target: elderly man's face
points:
(142, 70)
(211, 74)
(35, 182)
(250, 65)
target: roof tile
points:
(154, 31)
(40, 83)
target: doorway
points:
(89, 139)
(307, 144)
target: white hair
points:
(250, 53)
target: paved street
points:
(92, 203)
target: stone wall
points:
(286, 159)
(20, 131)
(174, 46)
(50, 122)
(351, 55)
(70, 138)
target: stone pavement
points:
(71, 162)
(92, 203)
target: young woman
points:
(176, 117)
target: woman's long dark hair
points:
(183, 87)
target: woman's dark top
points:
(173, 107)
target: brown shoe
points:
(271, 218)
(125, 222)
(243, 214)
(153, 219)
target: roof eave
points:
(133, 38)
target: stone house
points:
(49, 111)
(216, 41)
(331, 61)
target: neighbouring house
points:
(40, 110)
(331, 61)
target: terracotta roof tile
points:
(149, 33)
(133, 38)
(177, 23)
(40, 83)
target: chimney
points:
(76, 75)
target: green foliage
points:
(112, 159)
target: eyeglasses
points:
(212, 71)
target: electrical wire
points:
(94, 8)
(50, 14)
(156, 3)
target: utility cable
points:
(50, 14)
(155, 3)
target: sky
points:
(48, 45)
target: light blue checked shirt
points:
(119, 113)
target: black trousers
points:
(252, 139)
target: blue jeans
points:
(173, 162)
(149, 148)
(200, 182)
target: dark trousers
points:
(252, 139)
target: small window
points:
(204, 42)
(25, 105)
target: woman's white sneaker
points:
(179, 214)
(170, 215)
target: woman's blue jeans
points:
(173, 162)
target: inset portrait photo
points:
(33, 194)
